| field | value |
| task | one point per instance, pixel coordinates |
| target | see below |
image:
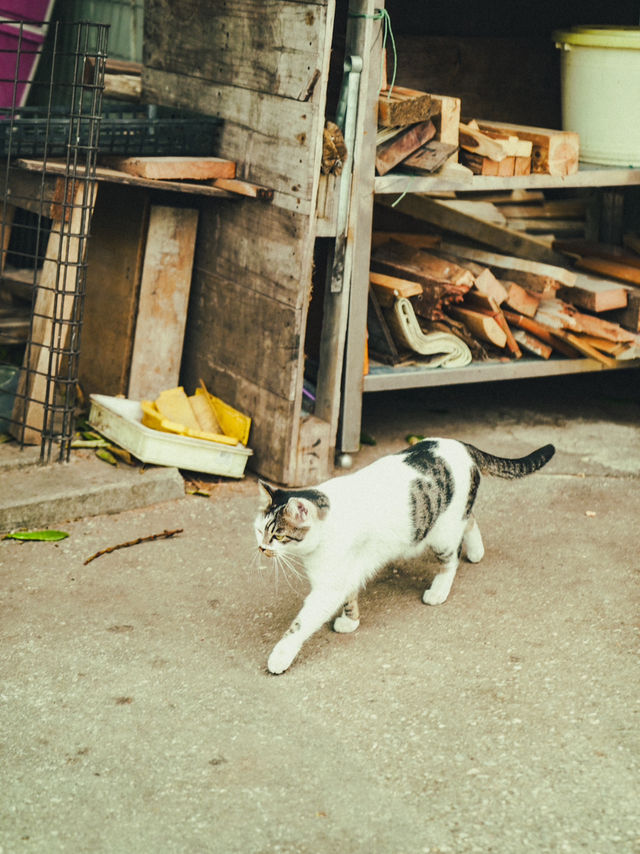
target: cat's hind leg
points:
(472, 540)
(349, 619)
(441, 584)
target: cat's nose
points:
(266, 550)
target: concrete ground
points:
(137, 715)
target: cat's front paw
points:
(281, 656)
(344, 624)
(434, 597)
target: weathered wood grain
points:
(273, 139)
(245, 332)
(114, 265)
(164, 297)
(269, 46)
(262, 67)
(258, 245)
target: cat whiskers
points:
(288, 565)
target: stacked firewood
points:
(420, 133)
(417, 131)
(501, 306)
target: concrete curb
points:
(33, 495)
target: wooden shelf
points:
(589, 175)
(385, 378)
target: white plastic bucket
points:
(600, 70)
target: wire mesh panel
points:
(46, 207)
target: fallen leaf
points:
(43, 536)
(106, 456)
(121, 454)
(367, 439)
(414, 438)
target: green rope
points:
(383, 15)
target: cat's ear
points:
(266, 494)
(300, 512)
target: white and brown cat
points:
(343, 531)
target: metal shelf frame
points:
(384, 378)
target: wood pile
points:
(417, 131)
(506, 306)
(420, 133)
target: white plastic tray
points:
(120, 420)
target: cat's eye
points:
(281, 538)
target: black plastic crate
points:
(26, 133)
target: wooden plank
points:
(505, 262)
(259, 244)
(222, 333)
(587, 177)
(432, 211)
(611, 269)
(253, 124)
(554, 152)
(164, 297)
(54, 309)
(480, 165)
(513, 145)
(243, 188)
(583, 346)
(581, 248)
(629, 318)
(103, 174)
(488, 305)
(173, 168)
(543, 333)
(123, 87)
(481, 209)
(595, 294)
(429, 157)
(447, 118)
(552, 209)
(557, 314)
(399, 107)
(33, 192)
(419, 266)
(388, 288)
(481, 325)
(114, 267)
(544, 287)
(521, 300)
(273, 48)
(420, 241)
(390, 153)
(532, 344)
(487, 284)
(420, 261)
(480, 144)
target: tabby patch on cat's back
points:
(343, 531)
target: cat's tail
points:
(503, 467)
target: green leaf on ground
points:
(414, 438)
(44, 536)
(107, 456)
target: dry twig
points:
(163, 535)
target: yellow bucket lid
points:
(600, 35)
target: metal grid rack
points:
(46, 207)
